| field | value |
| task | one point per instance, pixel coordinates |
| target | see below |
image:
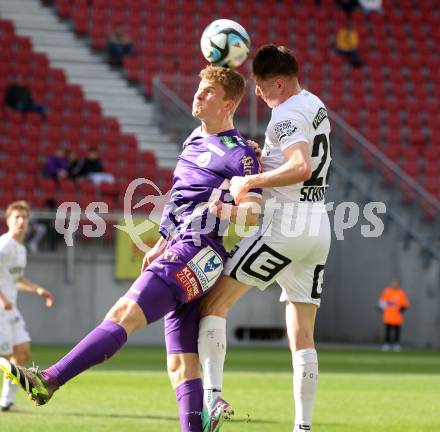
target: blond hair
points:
(18, 205)
(233, 82)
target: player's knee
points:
(128, 314)
(214, 307)
(175, 371)
(301, 339)
(117, 311)
(181, 370)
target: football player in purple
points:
(184, 264)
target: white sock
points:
(8, 392)
(212, 353)
(305, 383)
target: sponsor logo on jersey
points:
(207, 266)
(215, 149)
(320, 117)
(233, 251)
(284, 128)
(16, 272)
(229, 141)
(248, 164)
(189, 282)
(203, 159)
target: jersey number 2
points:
(315, 179)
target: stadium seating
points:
(392, 100)
(72, 122)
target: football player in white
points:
(293, 242)
(14, 338)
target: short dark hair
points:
(272, 60)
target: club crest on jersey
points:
(203, 159)
(211, 264)
(207, 266)
(320, 117)
(248, 164)
(284, 128)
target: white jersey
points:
(302, 117)
(291, 246)
(12, 265)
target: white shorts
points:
(12, 331)
(294, 256)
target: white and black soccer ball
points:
(225, 43)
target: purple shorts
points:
(182, 328)
(190, 269)
(172, 285)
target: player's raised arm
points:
(296, 169)
(245, 214)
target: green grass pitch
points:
(359, 391)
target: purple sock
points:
(190, 399)
(99, 345)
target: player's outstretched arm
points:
(25, 285)
(244, 214)
(296, 169)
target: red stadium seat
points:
(63, 8)
(108, 189)
(46, 186)
(410, 154)
(6, 27)
(393, 152)
(432, 168)
(110, 124)
(6, 197)
(25, 183)
(411, 168)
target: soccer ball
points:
(225, 43)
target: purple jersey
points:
(202, 174)
(189, 268)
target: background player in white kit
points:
(293, 242)
(14, 338)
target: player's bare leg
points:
(215, 306)
(126, 316)
(99, 345)
(300, 322)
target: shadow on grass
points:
(152, 417)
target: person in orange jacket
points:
(393, 302)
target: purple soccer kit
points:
(172, 285)
(195, 255)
